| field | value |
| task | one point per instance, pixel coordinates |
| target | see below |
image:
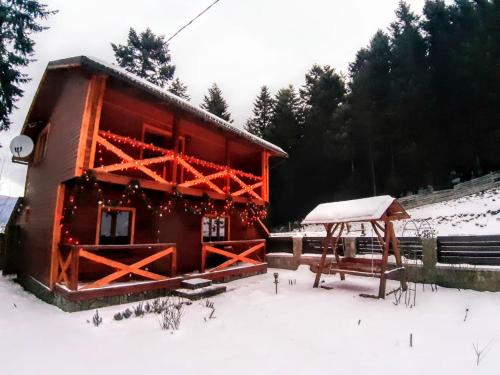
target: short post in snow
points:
(276, 282)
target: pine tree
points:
(19, 20)
(285, 128)
(178, 88)
(216, 104)
(263, 108)
(147, 56)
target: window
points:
(41, 145)
(115, 226)
(161, 138)
(215, 228)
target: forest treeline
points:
(419, 108)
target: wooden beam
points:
(90, 123)
(265, 176)
(166, 187)
(125, 157)
(334, 248)
(123, 269)
(175, 140)
(227, 157)
(56, 235)
(385, 256)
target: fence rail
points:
(410, 247)
(279, 245)
(314, 245)
(475, 250)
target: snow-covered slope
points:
(476, 214)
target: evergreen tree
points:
(147, 56)
(216, 104)
(285, 129)
(19, 20)
(263, 108)
(178, 88)
(286, 123)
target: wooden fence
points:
(314, 245)
(280, 245)
(476, 250)
(410, 247)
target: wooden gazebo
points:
(379, 212)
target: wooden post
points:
(326, 242)
(90, 123)
(265, 176)
(75, 260)
(203, 258)
(227, 179)
(56, 235)
(385, 256)
(173, 270)
(334, 248)
(175, 140)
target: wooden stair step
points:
(194, 294)
(196, 283)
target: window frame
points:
(100, 210)
(227, 231)
(41, 145)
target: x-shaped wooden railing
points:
(197, 172)
(255, 248)
(70, 255)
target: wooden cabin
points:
(131, 189)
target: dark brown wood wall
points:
(43, 179)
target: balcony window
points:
(215, 228)
(116, 226)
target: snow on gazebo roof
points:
(365, 209)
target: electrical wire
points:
(194, 19)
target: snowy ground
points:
(476, 214)
(299, 331)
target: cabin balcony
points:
(118, 159)
(95, 271)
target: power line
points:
(194, 19)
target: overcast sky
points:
(240, 44)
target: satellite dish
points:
(21, 146)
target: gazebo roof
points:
(365, 209)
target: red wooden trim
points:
(167, 187)
(56, 234)
(170, 283)
(97, 120)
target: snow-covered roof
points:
(365, 209)
(122, 74)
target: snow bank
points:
(299, 331)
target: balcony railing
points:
(185, 172)
(70, 255)
(245, 251)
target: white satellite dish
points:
(21, 146)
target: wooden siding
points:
(43, 179)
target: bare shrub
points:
(170, 317)
(139, 310)
(96, 319)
